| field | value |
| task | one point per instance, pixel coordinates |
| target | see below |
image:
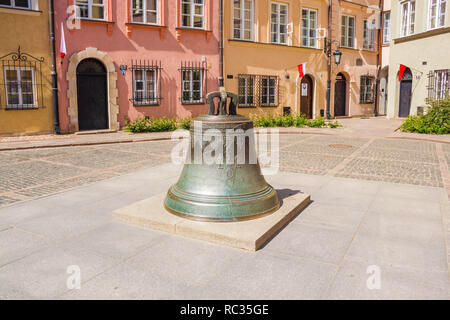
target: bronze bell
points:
(233, 187)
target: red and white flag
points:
(62, 50)
(301, 70)
(401, 72)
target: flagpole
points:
(296, 96)
(56, 124)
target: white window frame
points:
(19, 88)
(190, 81)
(243, 20)
(386, 27)
(441, 84)
(309, 29)
(248, 91)
(145, 93)
(91, 4)
(13, 5)
(145, 12)
(192, 14)
(268, 95)
(407, 21)
(369, 35)
(439, 14)
(366, 90)
(346, 37)
(278, 24)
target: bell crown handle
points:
(223, 97)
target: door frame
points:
(313, 95)
(408, 72)
(111, 87)
(347, 87)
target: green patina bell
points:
(232, 188)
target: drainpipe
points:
(55, 104)
(379, 57)
(221, 79)
(330, 36)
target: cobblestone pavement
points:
(33, 173)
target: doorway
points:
(405, 94)
(340, 95)
(92, 95)
(306, 96)
(384, 82)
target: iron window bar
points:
(20, 94)
(187, 94)
(146, 91)
(262, 91)
(438, 84)
(366, 94)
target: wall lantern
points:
(337, 56)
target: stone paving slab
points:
(324, 253)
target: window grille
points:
(366, 95)
(193, 82)
(21, 81)
(146, 82)
(438, 84)
(258, 91)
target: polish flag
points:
(62, 50)
(401, 72)
(301, 70)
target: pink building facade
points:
(131, 59)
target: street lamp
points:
(327, 48)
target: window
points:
(369, 35)
(348, 32)
(269, 91)
(309, 25)
(279, 23)
(366, 90)
(247, 91)
(192, 13)
(20, 88)
(386, 27)
(193, 82)
(438, 84)
(437, 14)
(91, 9)
(20, 4)
(408, 17)
(145, 11)
(243, 20)
(146, 83)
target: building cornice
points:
(422, 35)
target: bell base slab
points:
(248, 235)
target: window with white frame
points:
(438, 84)
(309, 26)
(279, 23)
(369, 35)
(20, 87)
(408, 12)
(366, 90)
(243, 19)
(19, 4)
(192, 86)
(269, 91)
(91, 9)
(193, 14)
(145, 85)
(386, 27)
(145, 11)
(348, 32)
(247, 91)
(436, 18)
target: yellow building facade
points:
(25, 62)
(265, 41)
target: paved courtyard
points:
(375, 202)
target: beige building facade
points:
(420, 40)
(265, 41)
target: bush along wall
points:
(435, 121)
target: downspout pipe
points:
(379, 57)
(55, 104)
(330, 36)
(221, 78)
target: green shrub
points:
(316, 123)
(300, 120)
(435, 121)
(334, 125)
(151, 125)
(185, 123)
